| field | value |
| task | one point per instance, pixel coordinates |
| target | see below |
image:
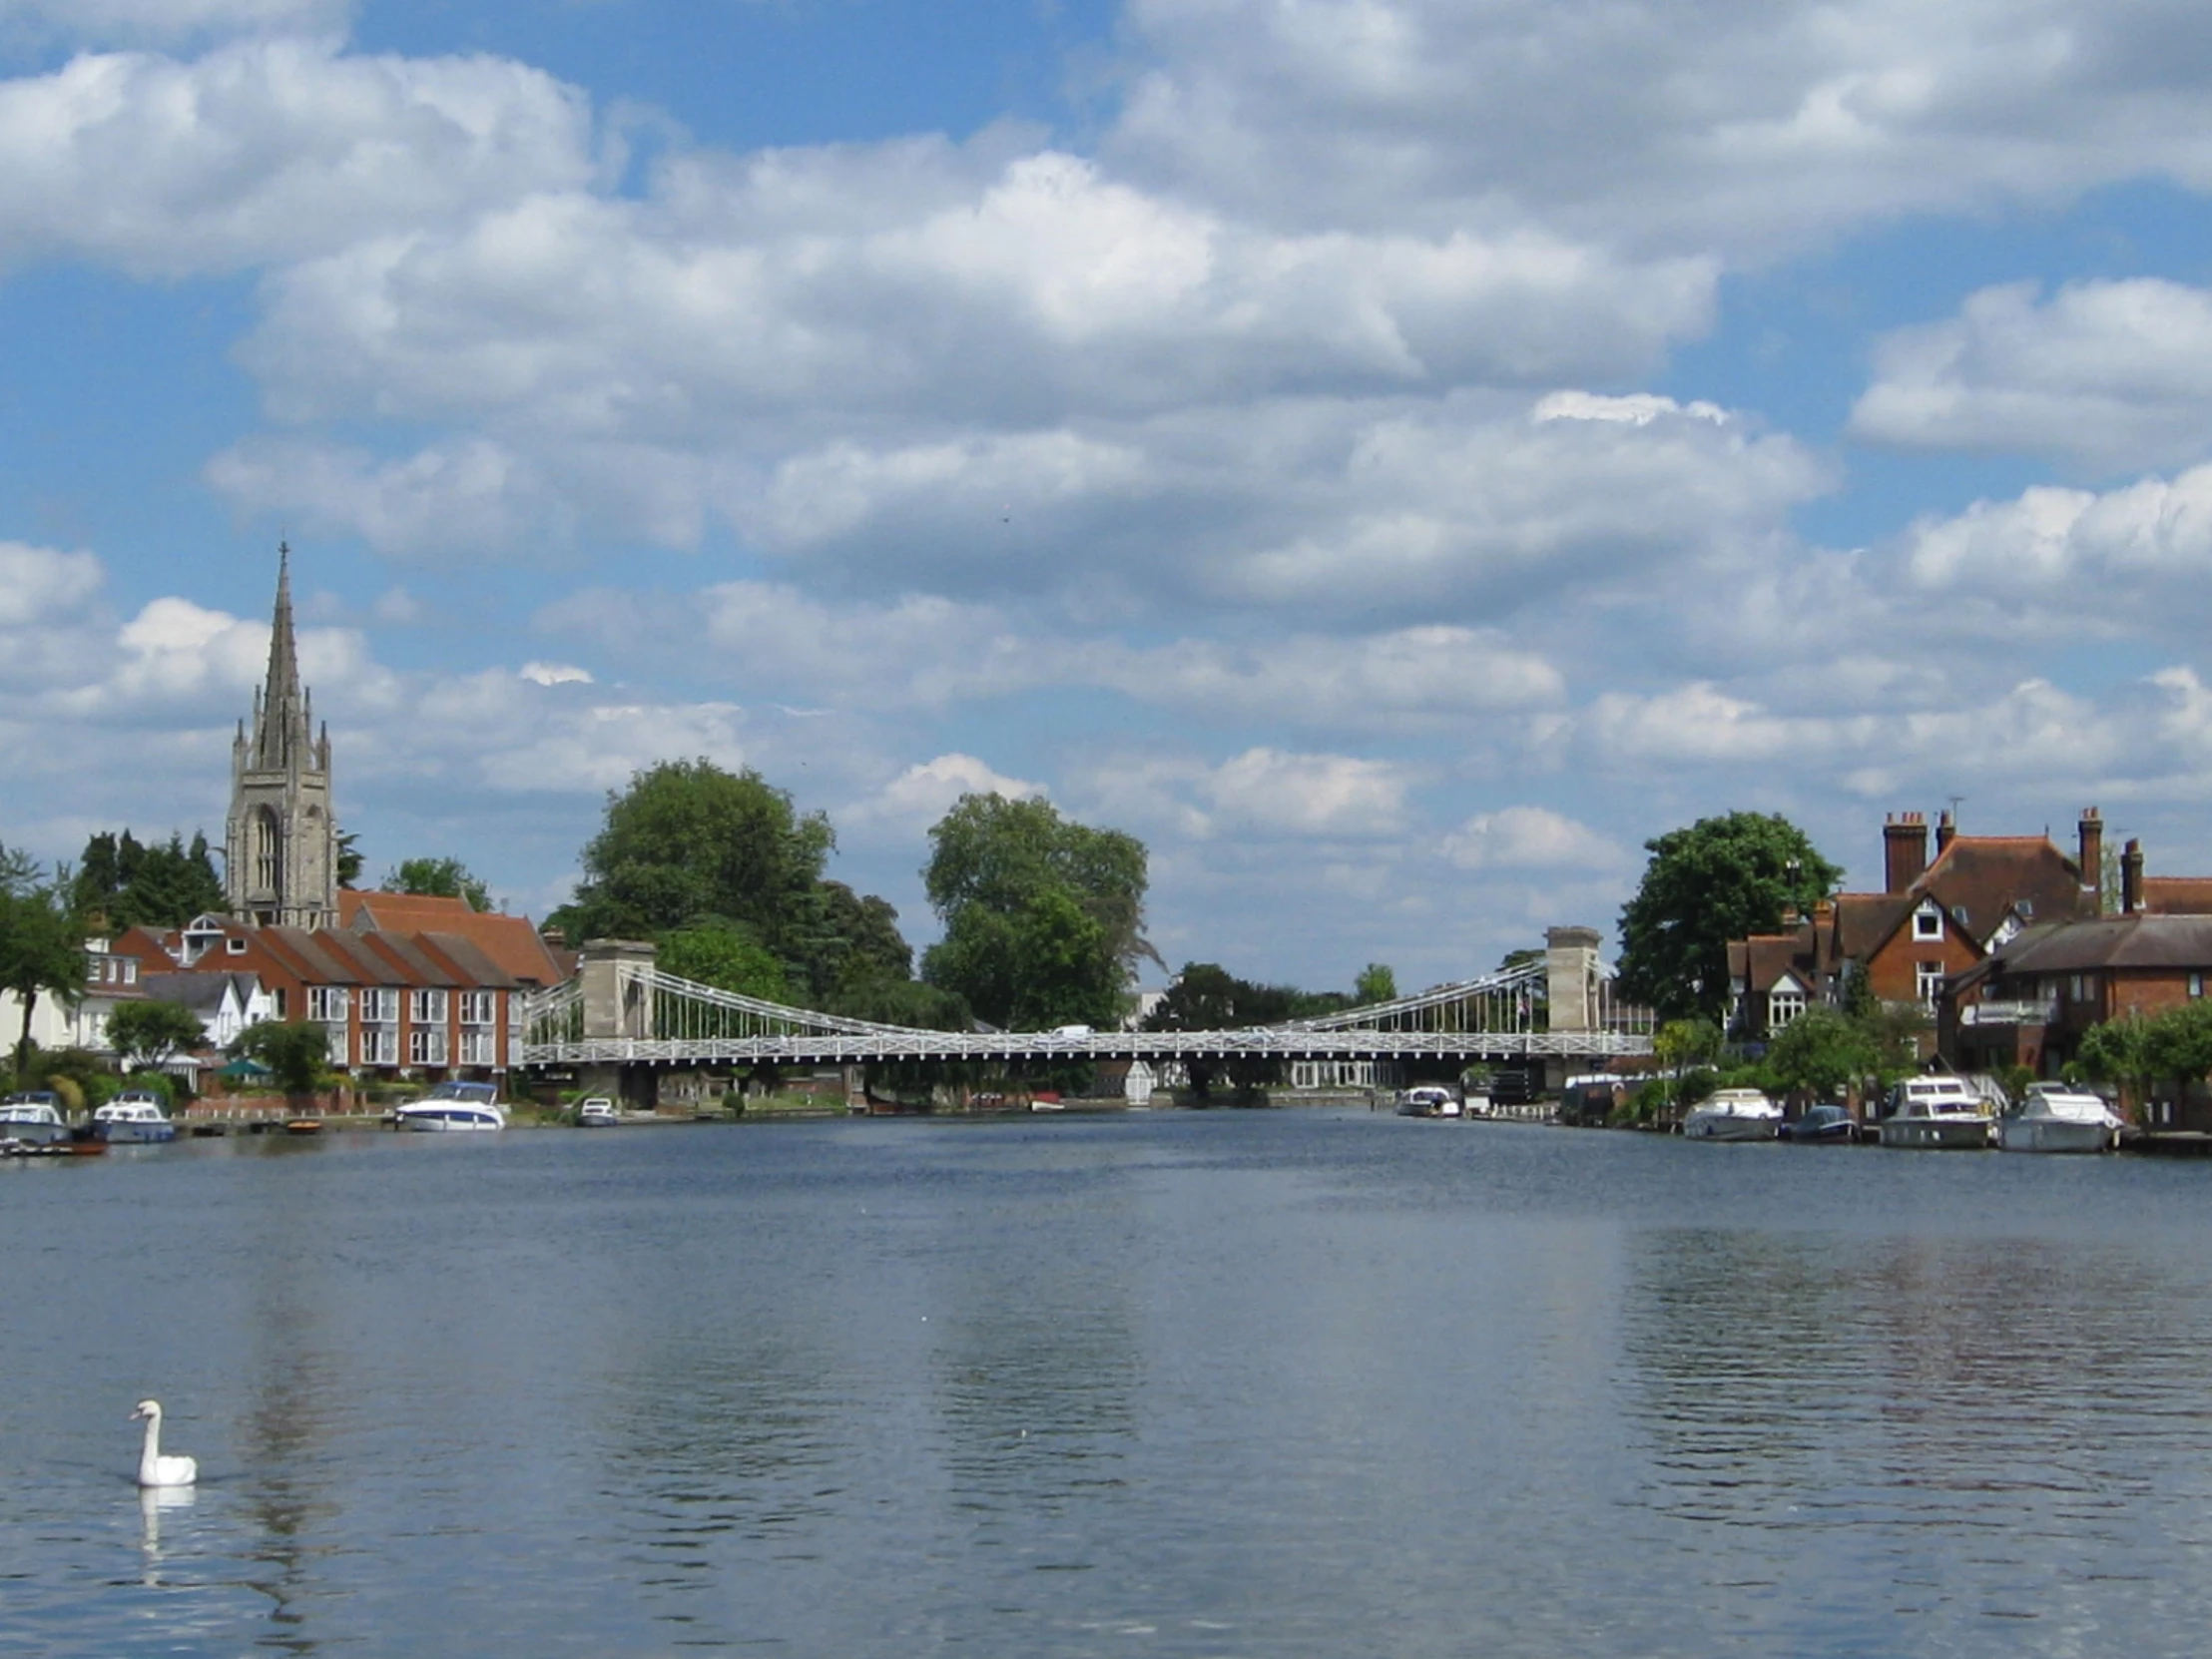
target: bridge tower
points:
(1571, 980)
(615, 977)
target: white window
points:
(2077, 989)
(479, 1007)
(1784, 1003)
(380, 1045)
(1927, 981)
(2196, 984)
(381, 1007)
(236, 947)
(427, 1045)
(428, 1008)
(478, 1046)
(327, 1002)
(1928, 922)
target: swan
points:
(153, 1468)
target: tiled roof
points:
(512, 942)
(1989, 874)
(2137, 941)
(2177, 895)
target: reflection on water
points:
(1282, 1383)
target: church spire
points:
(283, 725)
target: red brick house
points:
(1932, 920)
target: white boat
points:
(597, 1113)
(1936, 1114)
(2053, 1118)
(452, 1108)
(132, 1118)
(33, 1118)
(1733, 1115)
(1429, 1100)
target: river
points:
(1265, 1384)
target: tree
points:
(1721, 878)
(1376, 983)
(1821, 1051)
(2179, 1043)
(147, 1033)
(127, 885)
(440, 878)
(689, 843)
(42, 949)
(728, 957)
(1043, 917)
(296, 1050)
(1685, 1043)
(349, 857)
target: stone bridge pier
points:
(615, 977)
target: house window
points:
(427, 1045)
(479, 1007)
(2196, 984)
(234, 946)
(379, 1027)
(1928, 922)
(1784, 1004)
(326, 1002)
(1927, 981)
(2027, 907)
(428, 1008)
(478, 1046)
(2077, 989)
(277, 999)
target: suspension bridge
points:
(622, 1009)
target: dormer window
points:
(2027, 907)
(1928, 922)
(235, 945)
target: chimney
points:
(1946, 829)
(2092, 848)
(1904, 850)
(2131, 879)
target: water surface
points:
(1167, 1384)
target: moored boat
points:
(454, 1107)
(33, 1118)
(1429, 1100)
(133, 1118)
(2054, 1118)
(1733, 1115)
(1936, 1114)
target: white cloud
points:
(272, 148)
(39, 584)
(1529, 837)
(554, 674)
(110, 21)
(2110, 375)
(925, 793)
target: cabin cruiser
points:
(135, 1117)
(2054, 1118)
(1429, 1100)
(1936, 1114)
(454, 1107)
(597, 1113)
(33, 1118)
(1733, 1115)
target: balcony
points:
(2043, 1012)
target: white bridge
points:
(622, 1010)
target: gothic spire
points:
(281, 729)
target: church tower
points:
(280, 862)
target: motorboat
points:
(1733, 1115)
(453, 1108)
(1429, 1100)
(133, 1118)
(1821, 1126)
(597, 1113)
(2054, 1118)
(33, 1118)
(1936, 1114)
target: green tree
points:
(296, 1050)
(2120, 1051)
(349, 858)
(1043, 917)
(127, 885)
(843, 939)
(689, 843)
(2178, 1043)
(1721, 878)
(1821, 1051)
(728, 957)
(1376, 983)
(42, 949)
(147, 1033)
(440, 878)
(1683, 1045)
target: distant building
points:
(281, 860)
(1934, 919)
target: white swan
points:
(153, 1468)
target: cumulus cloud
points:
(2108, 374)
(1529, 837)
(40, 584)
(267, 150)
(1748, 130)
(925, 793)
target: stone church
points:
(281, 861)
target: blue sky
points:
(1392, 455)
